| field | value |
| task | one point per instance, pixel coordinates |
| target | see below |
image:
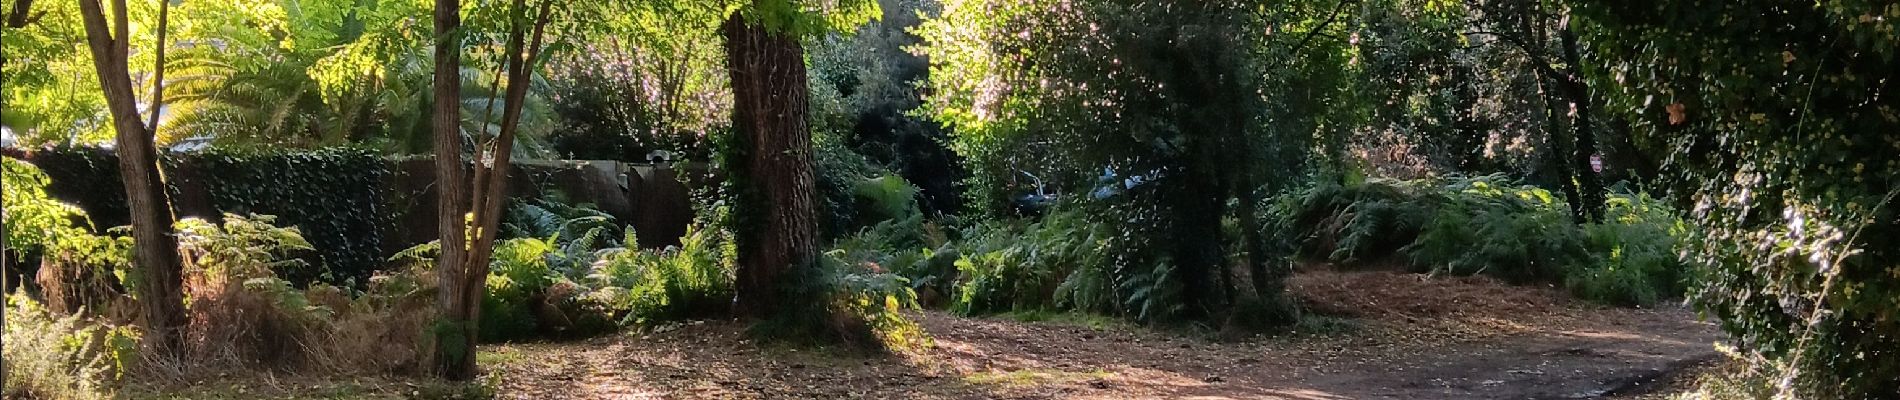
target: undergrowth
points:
(62, 357)
(1489, 225)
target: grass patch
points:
(499, 355)
(1071, 318)
(1033, 377)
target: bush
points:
(562, 276)
(62, 357)
(242, 314)
(1056, 263)
(856, 304)
(1486, 225)
(1636, 249)
(692, 280)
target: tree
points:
(1526, 25)
(771, 159)
(51, 87)
(1777, 120)
(156, 252)
(1152, 111)
(462, 269)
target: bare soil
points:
(1397, 336)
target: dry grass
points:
(318, 330)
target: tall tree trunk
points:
(1197, 203)
(454, 330)
(1267, 284)
(156, 248)
(774, 174)
(1589, 206)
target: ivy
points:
(335, 196)
(1781, 141)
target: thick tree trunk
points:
(454, 332)
(1197, 204)
(774, 177)
(156, 248)
(21, 14)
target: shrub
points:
(32, 218)
(1518, 233)
(692, 280)
(1636, 249)
(840, 302)
(55, 357)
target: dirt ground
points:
(1382, 335)
(1393, 336)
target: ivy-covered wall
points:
(335, 196)
(355, 206)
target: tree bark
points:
(454, 331)
(20, 16)
(156, 248)
(775, 179)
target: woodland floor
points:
(1388, 335)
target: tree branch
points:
(158, 69)
(1315, 32)
(1535, 54)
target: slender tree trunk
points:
(156, 248)
(1266, 284)
(1471, 135)
(462, 290)
(774, 175)
(454, 331)
(1589, 206)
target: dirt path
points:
(1408, 338)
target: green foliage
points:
(87, 178)
(1781, 147)
(1521, 234)
(1055, 263)
(563, 277)
(241, 248)
(692, 280)
(334, 196)
(805, 18)
(34, 220)
(855, 194)
(62, 357)
(51, 89)
(518, 276)
(1485, 225)
(1636, 250)
(865, 92)
(641, 81)
(850, 302)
